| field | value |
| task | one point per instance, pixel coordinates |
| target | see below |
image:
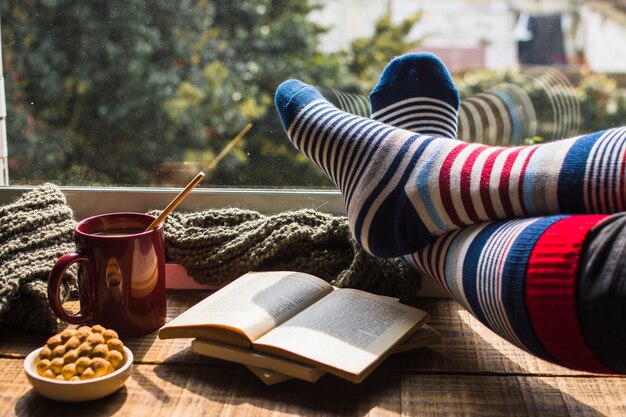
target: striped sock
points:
(525, 278)
(415, 92)
(522, 279)
(402, 189)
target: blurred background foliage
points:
(601, 101)
(139, 92)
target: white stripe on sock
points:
(436, 104)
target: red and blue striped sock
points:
(401, 189)
(521, 278)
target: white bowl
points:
(75, 391)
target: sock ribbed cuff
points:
(551, 292)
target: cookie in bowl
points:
(79, 364)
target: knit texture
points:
(35, 231)
(216, 246)
(551, 292)
(483, 267)
(546, 284)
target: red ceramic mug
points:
(121, 274)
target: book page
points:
(349, 330)
(253, 303)
(424, 336)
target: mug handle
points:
(54, 289)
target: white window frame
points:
(88, 201)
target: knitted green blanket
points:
(215, 246)
(35, 231)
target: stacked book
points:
(285, 324)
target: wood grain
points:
(473, 373)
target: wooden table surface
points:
(472, 373)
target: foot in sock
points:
(415, 92)
(525, 278)
(402, 189)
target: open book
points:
(424, 336)
(290, 322)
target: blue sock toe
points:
(416, 92)
(414, 75)
(291, 96)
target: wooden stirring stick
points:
(171, 206)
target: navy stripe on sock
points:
(328, 138)
(602, 192)
(349, 143)
(397, 206)
(361, 164)
(348, 166)
(317, 145)
(470, 270)
(610, 173)
(571, 178)
(514, 284)
(413, 236)
(312, 113)
(479, 275)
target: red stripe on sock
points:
(551, 292)
(503, 186)
(422, 259)
(444, 184)
(466, 173)
(520, 189)
(431, 260)
(432, 256)
(485, 176)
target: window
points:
(121, 101)
(145, 94)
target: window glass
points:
(147, 93)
